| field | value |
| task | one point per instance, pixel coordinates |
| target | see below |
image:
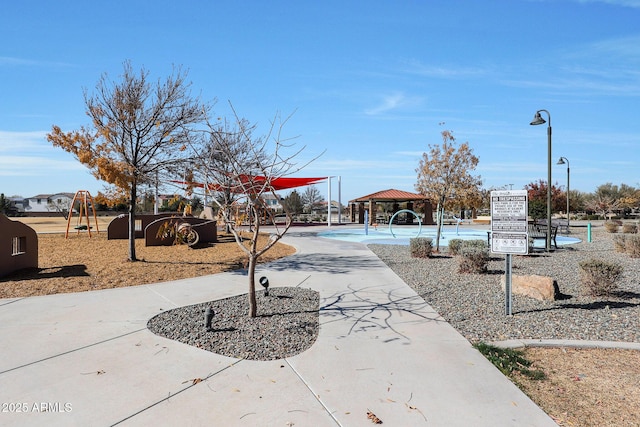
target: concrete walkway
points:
(88, 358)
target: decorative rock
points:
(542, 288)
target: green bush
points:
(478, 244)
(619, 243)
(629, 228)
(473, 260)
(599, 277)
(420, 247)
(632, 245)
(454, 246)
(611, 226)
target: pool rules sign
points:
(509, 209)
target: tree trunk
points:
(253, 310)
(253, 259)
(132, 223)
(439, 215)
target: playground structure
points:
(187, 229)
(18, 246)
(84, 197)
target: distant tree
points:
(537, 194)
(311, 197)
(196, 204)
(576, 200)
(138, 130)
(113, 198)
(622, 198)
(293, 203)
(444, 177)
(62, 206)
(5, 205)
(174, 204)
(602, 204)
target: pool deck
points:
(88, 358)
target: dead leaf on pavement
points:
(373, 418)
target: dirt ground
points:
(593, 387)
(84, 263)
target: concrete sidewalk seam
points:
(315, 396)
(193, 384)
(71, 351)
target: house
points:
(48, 203)
(272, 202)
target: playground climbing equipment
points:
(86, 203)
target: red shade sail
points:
(282, 183)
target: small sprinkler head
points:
(265, 284)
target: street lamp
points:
(562, 161)
(538, 120)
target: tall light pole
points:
(562, 161)
(538, 120)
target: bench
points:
(561, 224)
(539, 232)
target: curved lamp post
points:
(538, 120)
(562, 161)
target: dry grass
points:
(586, 387)
(82, 263)
(583, 387)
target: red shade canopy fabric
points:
(278, 184)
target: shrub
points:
(632, 245)
(421, 247)
(454, 246)
(478, 244)
(599, 277)
(473, 260)
(619, 243)
(611, 226)
(629, 228)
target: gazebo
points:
(394, 201)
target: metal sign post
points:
(509, 209)
(507, 285)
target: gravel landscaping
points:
(474, 304)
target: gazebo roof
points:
(390, 196)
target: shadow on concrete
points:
(364, 314)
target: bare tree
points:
(247, 175)
(139, 130)
(211, 166)
(444, 177)
(311, 197)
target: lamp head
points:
(265, 284)
(561, 161)
(537, 119)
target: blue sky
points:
(370, 82)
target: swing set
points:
(84, 197)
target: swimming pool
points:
(403, 234)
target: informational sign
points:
(505, 243)
(509, 209)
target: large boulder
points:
(543, 288)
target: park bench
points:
(561, 224)
(539, 232)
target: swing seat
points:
(81, 227)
